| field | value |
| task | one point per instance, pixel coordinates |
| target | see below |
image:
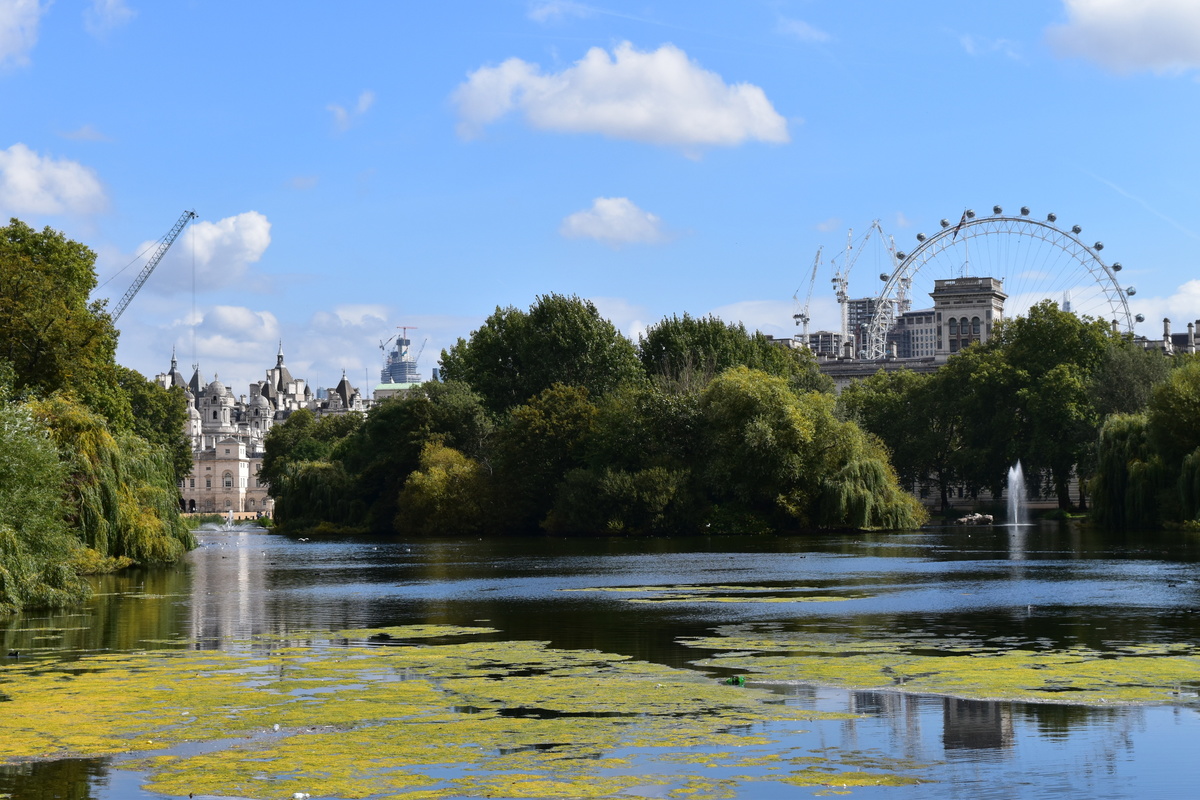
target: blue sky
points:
(359, 166)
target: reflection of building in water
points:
(976, 724)
(229, 592)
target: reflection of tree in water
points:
(65, 779)
(134, 609)
(1057, 722)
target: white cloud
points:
(18, 30)
(614, 221)
(1162, 36)
(554, 10)
(33, 184)
(1181, 307)
(86, 133)
(344, 118)
(221, 251)
(105, 15)
(831, 224)
(661, 97)
(979, 46)
(799, 29)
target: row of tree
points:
(90, 452)
(551, 419)
(1068, 397)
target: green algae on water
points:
(980, 669)
(344, 714)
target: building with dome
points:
(227, 433)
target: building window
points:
(208, 483)
(228, 480)
(214, 413)
(226, 451)
(193, 486)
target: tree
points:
(540, 442)
(36, 547)
(686, 350)
(1124, 378)
(54, 339)
(515, 355)
(159, 416)
(785, 460)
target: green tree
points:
(515, 354)
(784, 460)
(36, 547)
(540, 442)
(121, 490)
(690, 351)
(1124, 378)
(54, 339)
(446, 494)
(159, 416)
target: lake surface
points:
(1056, 585)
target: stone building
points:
(227, 433)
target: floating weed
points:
(975, 669)
(436, 719)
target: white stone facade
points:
(227, 433)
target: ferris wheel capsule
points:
(997, 210)
(1140, 317)
(883, 276)
(900, 255)
(1024, 211)
(945, 223)
(1116, 267)
(920, 237)
(1051, 217)
(970, 214)
(1098, 246)
(1076, 229)
(1131, 290)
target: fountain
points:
(1018, 505)
(229, 520)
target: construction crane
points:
(802, 317)
(841, 277)
(163, 247)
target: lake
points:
(989, 608)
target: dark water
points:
(1055, 583)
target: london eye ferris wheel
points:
(1036, 260)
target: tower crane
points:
(163, 247)
(802, 317)
(841, 277)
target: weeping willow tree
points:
(121, 492)
(865, 494)
(36, 547)
(1127, 488)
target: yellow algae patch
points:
(725, 593)
(431, 719)
(983, 669)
